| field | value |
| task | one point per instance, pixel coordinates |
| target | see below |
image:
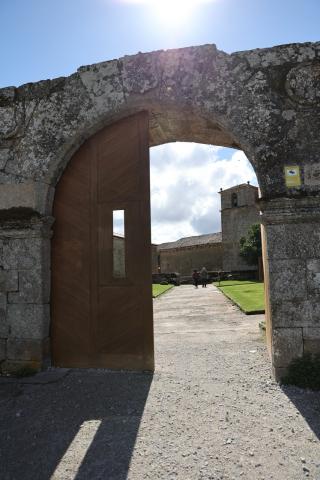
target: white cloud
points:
(185, 180)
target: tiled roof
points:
(236, 187)
(192, 241)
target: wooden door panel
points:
(70, 300)
(99, 320)
(119, 163)
(119, 321)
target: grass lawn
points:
(247, 294)
(159, 289)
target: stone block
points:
(4, 157)
(1, 250)
(311, 346)
(279, 373)
(28, 321)
(311, 333)
(8, 122)
(8, 280)
(103, 84)
(296, 313)
(3, 349)
(33, 288)
(4, 330)
(287, 280)
(25, 253)
(313, 275)
(29, 195)
(311, 340)
(289, 241)
(287, 344)
(141, 73)
(14, 366)
(21, 349)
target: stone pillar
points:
(24, 292)
(292, 247)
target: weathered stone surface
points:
(287, 280)
(15, 366)
(311, 340)
(65, 107)
(33, 288)
(288, 241)
(25, 253)
(11, 120)
(251, 100)
(287, 345)
(296, 313)
(264, 101)
(8, 281)
(311, 346)
(21, 349)
(3, 316)
(28, 321)
(313, 275)
(104, 85)
(303, 83)
(3, 349)
(311, 333)
(4, 157)
(31, 195)
(7, 95)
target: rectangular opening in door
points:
(119, 244)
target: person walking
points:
(204, 277)
(196, 278)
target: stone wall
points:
(185, 260)
(264, 102)
(25, 294)
(154, 258)
(119, 256)
(293, 257)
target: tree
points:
(250, 246)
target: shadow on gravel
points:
(82, 427)
(308, 404)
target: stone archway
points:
(265, 102)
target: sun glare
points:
(171, 12)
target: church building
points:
(216, 251)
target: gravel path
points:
(210, 411)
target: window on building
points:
(234, 200)
(119, 244)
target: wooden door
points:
(101, 318)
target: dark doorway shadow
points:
(93, 415)
(308, 404)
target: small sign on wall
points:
(292, 176)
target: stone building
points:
(216, 251)
(189, 253)
(119, 256)
(238, 213)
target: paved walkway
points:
(211, 410)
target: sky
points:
(43, 39)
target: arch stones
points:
(263, 101)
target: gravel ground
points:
(210, 411)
